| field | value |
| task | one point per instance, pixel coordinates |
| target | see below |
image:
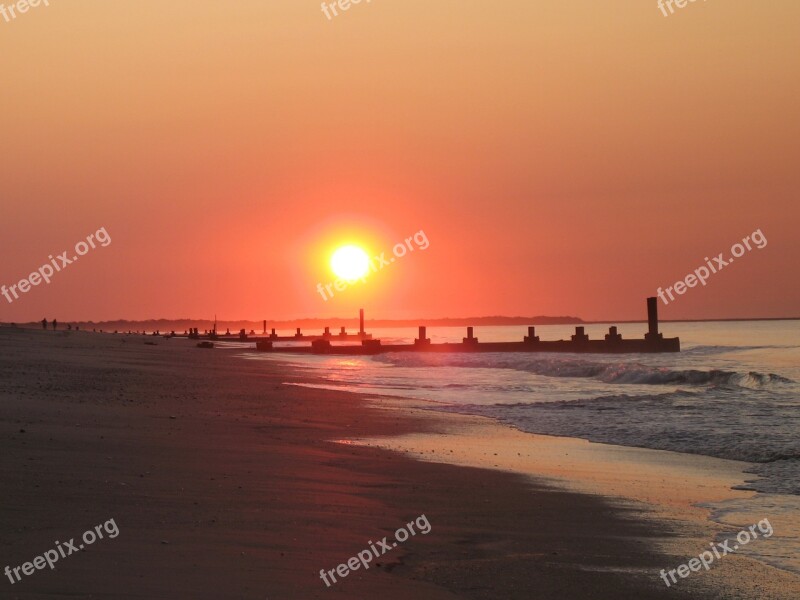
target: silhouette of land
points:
(314, 323)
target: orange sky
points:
(562, 157)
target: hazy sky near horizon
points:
(564, 158)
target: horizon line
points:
(413, 320)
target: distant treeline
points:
(181, 325)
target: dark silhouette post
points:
(652, 334)
(470, 339)
(44, 324)
(320, 346)
(361, 321)
(580, 336)
(531, 337)
(55, 324)
(371, 346)
(612, 336)
(265, 326)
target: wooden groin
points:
(612, 343)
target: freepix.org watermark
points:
(46, 271)
(669, 4)
(52, 556)
(12, 11)
(701, 274)
(706, 558)
(376, 264)
(363, 558)
(329, 8)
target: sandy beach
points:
(226, 483)
(664, 489)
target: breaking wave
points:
(607, 372)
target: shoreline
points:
(663, 486)
(224, 484)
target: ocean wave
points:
(607, 372)
(778, 457)
(703, 350)
(692, 422)
(711, 350)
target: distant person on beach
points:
(44, 324)
(55, 324)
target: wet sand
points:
(226, 483)
(664, 487)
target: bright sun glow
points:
(350, 263)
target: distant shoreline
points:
(352, 324)
(734, 319)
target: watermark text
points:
(63, 260)
(702, 273)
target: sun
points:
(350, 263)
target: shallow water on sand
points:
(733, 392)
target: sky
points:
(560, 158)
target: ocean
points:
(732, 392)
